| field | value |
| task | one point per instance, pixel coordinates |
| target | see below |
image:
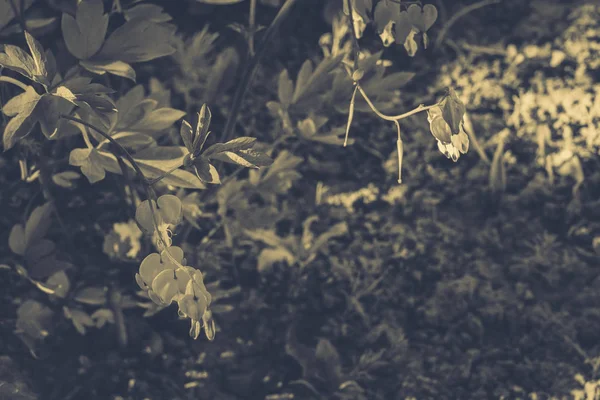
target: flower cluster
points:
(165, 277)
(449, 144)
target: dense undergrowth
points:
(328, 278)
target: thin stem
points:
(419, 109)
(252, 26)
(122, 149)
(161, 177)
(15, 82)
(250, 68)
(355, 45)
(459, 15)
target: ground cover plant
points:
(350, 199)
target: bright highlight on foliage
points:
(164, 277)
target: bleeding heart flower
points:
(449, 145)
(160, 218)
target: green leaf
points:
(85, 33)
(205, 171)
(133, 140)
(241, 143)
(304, 75)
(150, 12)
(34, 319)
(65, 179)
(138, 40)
(48, 112)
(40, 60)
(79, 318)
(319, 79)
(16, 240)
(270, 256)
(90, 162)
(59, 282)
(118, 68)
(158, 120)
(38, 224)
(204, 118)
(186, 133)
(16, 59)
(453, 110)
(285, 89)
(7, 12)
(95, 296)
(133, 114)
(21, 124)
(268, 237)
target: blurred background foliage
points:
(333, 281)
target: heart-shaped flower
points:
(450, 145)
(159, 217)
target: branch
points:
(459, 15)
(122, 149)
(392, 117)
(251, 65)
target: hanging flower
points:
(160, 218)
(449, 145)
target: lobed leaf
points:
(84, 34)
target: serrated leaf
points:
(233, 158)
(118, 68)
(285, 89)
(453, 111)
(254, 157)
(139, 40)
(20, 102)
(85, 33)
(7, 13)
(241, 143)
